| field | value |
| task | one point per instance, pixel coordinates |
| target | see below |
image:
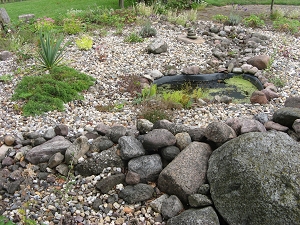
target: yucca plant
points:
(50, 52)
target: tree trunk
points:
(121, 4)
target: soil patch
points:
(246, 10)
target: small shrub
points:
(131, 84)
(199, 5)
(72, 26)
(5, 221)
(84, 43)
(5, 78)
(277, 81)
(253, 21)
(179, 97)
(220, 18)
(234, 19)
(154, 110)
(147, 31)
(133, 38)
(179, 4)
(44, 24)
(192, 15)
(287, 25)
(143, 9)
(50, 52)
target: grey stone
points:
(254, 179)
(76, 150)
(155, 74)
(61, 129)
(169, 153)
(100, 144)
(55, 160)
(157, 46)
(199, 200)
(270, 94)
(38, 141)
(270, 125)
(158, 138)
(5, 55)
(206, 216)
(117, 132)
(286, 116)
(196, 133)
(191, 70)
(108, 183)
(247, 68)
(157, 203)
(43, 152)
(144, 126)
(100, 161)
(204, 189)
(63, 169)
(237, 70)
(132, 178)
(102, 129)
(3, 151)
(219, 132)
(33, 135)
(187, 172)
(182, 140)
(7, 161)
(171, 207)
(9, 140)
(245, 125)
(261, 117)
(148, 167)
(26, 17)
(130, 148)
(4, 17)
(136, 193)
(293, 102)
(296, 126)
(14, 186)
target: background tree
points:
(272, 4)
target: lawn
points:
(55, 8)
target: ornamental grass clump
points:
(50, 53)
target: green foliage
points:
(133, 38)
(234, 19)
(277, 81)
(287, 25)
(5, 78)
(179, 4)
(144, 10)
(49, 92)
(220, 18)
(199, 5)
(178, 97)
(84, 43)
(149, 92)
(5, 221)
(45, 24)
(50, 52)
(253, 21)
(72, 25)
(147, 31)
(277, 14)
(242, 85)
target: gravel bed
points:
(126, 59)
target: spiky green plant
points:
(50, 53)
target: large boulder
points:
(78, 149)
(254, 179)
(130, 147)
(42, 153)
(187, 172)
(136, 193)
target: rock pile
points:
(246, 169)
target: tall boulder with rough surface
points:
(254, 179)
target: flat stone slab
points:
(183, 38)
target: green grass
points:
(252, 2)
(55, 8)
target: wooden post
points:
(272, 3)
(121, 4)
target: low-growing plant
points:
(144, 10)
(199, 5)
(5, 78)
(253, 21)
(192, 15)
(51, 52)
(234, 19)
(44, 24)
(277, 81)
(178, 97)
(85, 42)
(147, 31)
(287, 25)
(133, 38)
(5, 221)
(72, 25)
(277, 14)
(220, 18)
(48, 92)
